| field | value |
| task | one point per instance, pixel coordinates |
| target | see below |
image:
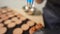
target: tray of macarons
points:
(15, 23)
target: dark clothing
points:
(51, 14)
(54, 1)
(47, 31)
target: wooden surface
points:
(37, 19)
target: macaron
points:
(25, 27)
(17, 31)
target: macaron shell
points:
(11, 25)
(25, 27)
(30, 23)
(18, 31)
(3, 30)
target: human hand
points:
(39, 1)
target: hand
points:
(39, 1)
